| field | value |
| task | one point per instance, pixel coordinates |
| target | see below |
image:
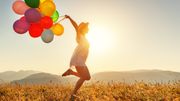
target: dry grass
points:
(92, 92)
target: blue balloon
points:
(47, 36)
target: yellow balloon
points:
(47, 8)
(57, 29)
(41, 1)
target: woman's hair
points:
(83, 27)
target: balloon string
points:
(61, 19)
(61, 16)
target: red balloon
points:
(35, 30)
(46, 22)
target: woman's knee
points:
(87, 77)
(84, 73)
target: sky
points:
(124, 35)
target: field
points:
(92, 92)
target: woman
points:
(78, 59)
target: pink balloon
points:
(19, 7)
(23, 18)
(21, 26)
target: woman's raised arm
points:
(73, 22)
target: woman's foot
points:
(68, 72)
(73, 97)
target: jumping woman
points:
(78, 59)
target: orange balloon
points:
(47, 8)
(57, 29)
(41, 1)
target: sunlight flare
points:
(100, 39)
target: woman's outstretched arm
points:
(73, 22)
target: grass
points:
(98, 91)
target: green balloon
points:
(33, 3)
(55, 16)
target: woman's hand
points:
(67, 16)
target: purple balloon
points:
(21, 26)
(32, 15)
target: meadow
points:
(97, 91)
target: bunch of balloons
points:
(39, 19)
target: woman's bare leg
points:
(75, 74)
(70, 72)
(83, 73)
(78, 85)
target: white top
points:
(80, 53)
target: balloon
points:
(57, 29)
(32, 15)
(47, 8)
(41, 1)
(38, 15)
(23, 18)
(21, 26)
(33, 3)
(35, 30)
(47, 36)
(55, 16)
(19, 7)
(46, 22)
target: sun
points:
(100, 39)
